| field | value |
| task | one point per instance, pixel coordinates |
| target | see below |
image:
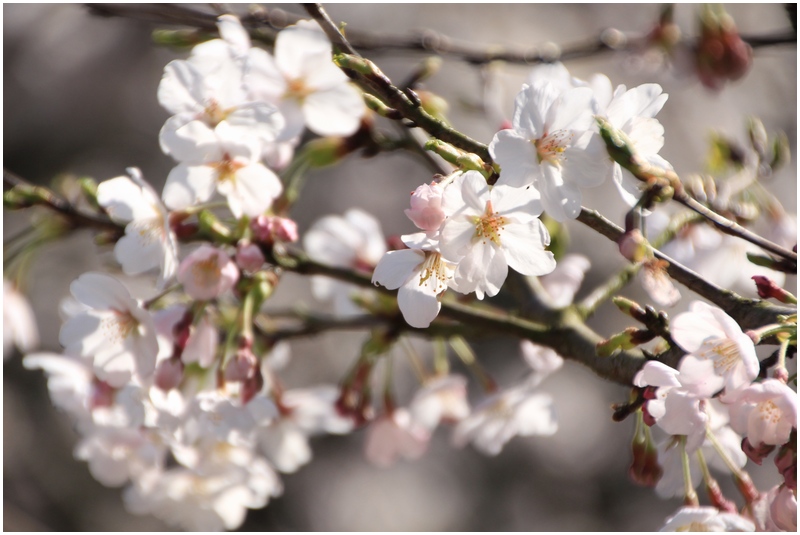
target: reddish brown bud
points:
(757, 454)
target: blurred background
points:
(80, 98)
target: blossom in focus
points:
(489, 230)
(114, 331)
(421, 277)
(19, 323)
(766, 412)
(551, 147)
(149, 241)
(502, 416)
(706, 519)
(207, 273)
(208, 90)
(226, 163)
(354, 241)
(707, 332)
(395, 435)
(303, 82)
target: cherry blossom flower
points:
(766, 412)
(207, 273)
(114, 331)
(542, 360)
(490, 230)
(707, 332)
(149, 241)
(679, 406)
(305, 84)
(551, 147)
(516, 411)
(19, 323)
(395, 435)
(706, 519)
(421, 277)
(354, 241)
(226, 163)
(208, 90)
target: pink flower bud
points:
(633, 246)
(169, 374)
(269, 229)
(207, 273)
(426, 207)
(242, 366)
(249, 257)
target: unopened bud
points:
(781, 151)
(786, 461)
(242, 366)
(249, 257)
(630, 308)
(758, 135)
(627, 339)
(377, 105)
(169, 374)
(644, 469)
(633, 246)
(767, 288)
(269, 229)
(432, 103)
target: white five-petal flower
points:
(489, 230)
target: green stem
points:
(690, 496)
(467, 356)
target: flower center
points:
(117, 326)
(724, 353)
(769, 412)
(206, 272)
(550, 147)
(227, 168)
(489, 225)
(298, 90)
(214, 113)
(434, 268)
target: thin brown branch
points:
(749, 313)
(422, 42)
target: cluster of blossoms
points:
(198, 425)
(706, 407)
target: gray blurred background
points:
(80, 97)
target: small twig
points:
(749, 313)
(729, 227)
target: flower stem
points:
(689, 494)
